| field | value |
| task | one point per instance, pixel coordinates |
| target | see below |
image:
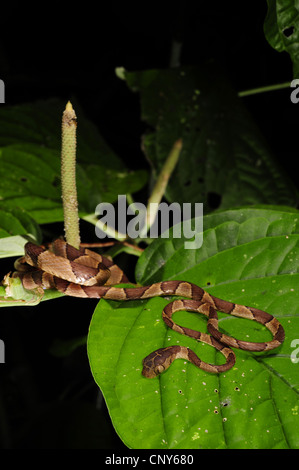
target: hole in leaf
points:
(225, 402)
(23, 178)
(288, 31)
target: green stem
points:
(161, 184)
(68, 177)
(91, 218)
(264, 89)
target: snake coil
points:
(84, 273)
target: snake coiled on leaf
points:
(84, 273)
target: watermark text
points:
(294, 96)
(2, 91)
(2, 352)
(295, 353)
(185, 221)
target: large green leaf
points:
(249, 256)
(224, 161)
(232, 227)
(281, 29)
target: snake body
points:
(84, 273)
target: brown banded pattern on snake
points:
(84, 273)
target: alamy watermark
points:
(294, 96)
(295, 353)
(159, 216)
(2, 352)
(2, 91)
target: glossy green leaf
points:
(222, 230)
(224, 162)
(249, 256)
(281, 29)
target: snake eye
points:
(159, 369)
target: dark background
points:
(47, 52)
(50, 402)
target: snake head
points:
(158, 361)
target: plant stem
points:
(264, 89)
(161, 184)
(68, 177)
(91, 218)
(156, 196)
